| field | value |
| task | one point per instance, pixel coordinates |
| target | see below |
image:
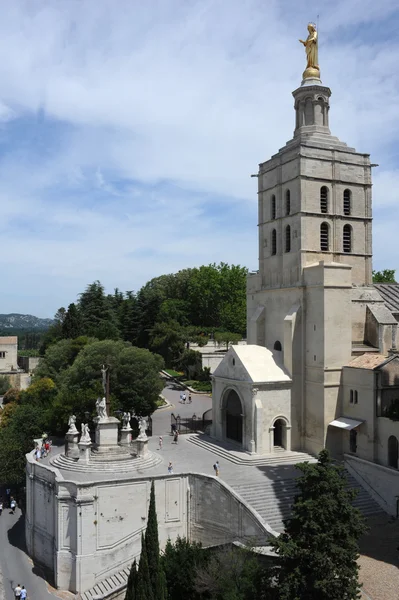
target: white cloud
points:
(185, 98)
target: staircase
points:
(273, 499)
(231, 453)
(106, 463)
(107, 587)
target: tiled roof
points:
(389, 292)
(367, 361)
(12, 339)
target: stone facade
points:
(8, 354)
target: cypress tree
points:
(157, 576)
(143, 576)
(319, 549)
(132, 583)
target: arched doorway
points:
(278, 433)
(393, 451)
(234, 417)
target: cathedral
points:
(321, 368)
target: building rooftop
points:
(367, 361)
(389, 292)
(11, 339)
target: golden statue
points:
(312, 53)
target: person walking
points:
(17, 591)
(1, 508)
(216, 468)
(160, 442)
(170, 468)
(176, 437)
(13, 505)
(189, 398)
(24, 593)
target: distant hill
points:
(17, 321)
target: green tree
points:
(59, 357)
(180, 562)
(11, 395)
(129, 318)
(132, 583)
(318, 551)
(98, 317)
(157, 575)
(134, 380)
(167, 340)
(385, 276)
(227, 337)
(72, 323)
(144, 587)
(5, 384)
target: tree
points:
(227, 337)
(144, 587)
(97, 315)
(72, 323)
(180, 562)
(12, 395)
(385, 276)
(167, 339)
(4, 384)
(132, 583)
(157, 575)
(319, 549)
(59, 357)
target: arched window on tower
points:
(324, 199)
(274, 242)
(347, 238)
(273, 208)
(277, 346)
(288, 239)
(287, 202)
(347, 202)
(324, 237)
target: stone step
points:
(273, 500)
(120, 466)
(241, 458)
(107, 587)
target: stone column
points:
(71, 444)
(84, 451)
(126, 436)
(142, 447)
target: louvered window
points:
(288, 239)
(324, 199)
(287, 202)
(274, 242)
(324, 237)
(273, 208)
(347, 238)
(347, 202)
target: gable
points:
(390, 372)
(252, 363)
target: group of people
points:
(43, 450)
(183, 398)
(20, 592)
(11, 502)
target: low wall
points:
(381, 482)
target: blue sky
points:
(129, 130)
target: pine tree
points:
(72, 323)
(157, 576)
(143, 575)
(319, 549)
(132, 583)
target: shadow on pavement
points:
(16, 534)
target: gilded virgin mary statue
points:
(312, 53)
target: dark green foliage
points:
(72, 326)
(385, 276)
(132, 583)
(226, 338)
(4, 384)
(180, 562)
(11, 395)
(59, 357)
(319, 549)
(167, 339)
(151, 539)
(144, 587)
(97, 313)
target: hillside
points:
(17, 321)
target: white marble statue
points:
(101, 408)
(126, 420)
(72, 424)
(142, 427)
(85, 437)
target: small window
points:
(347, 238)
(324, 199)
(2, 354)
(347, 202)
(351, 397)
(274, 242)
(277, 346)
(273, 208)
(287, 202)
(288, 239)
(355, 397)
(324, 237)
(353, 440)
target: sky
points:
(129, 131)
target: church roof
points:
(252, 363)
(368, 361)
(389, 292)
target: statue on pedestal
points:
(101, 408)
(142, 427)
(126, 420)
(312, 53)
(72, 424)
(85, 433)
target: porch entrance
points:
(234, 417)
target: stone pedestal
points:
(84, 451)
(71, 444)
(142, 447)
(126, 436)
(106, 434)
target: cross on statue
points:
(105, 377)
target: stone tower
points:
(314, 251)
